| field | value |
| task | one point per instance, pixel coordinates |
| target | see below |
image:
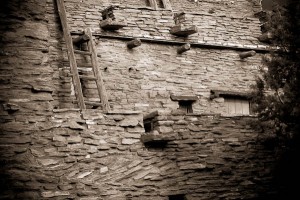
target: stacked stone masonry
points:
(52, 150)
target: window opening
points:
(177, 197)
(149, 121)
(148, 125)
(186, 106)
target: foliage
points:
(277, 95)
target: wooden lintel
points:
(184, 48)
(183, 97)
(247, 54)
(224, 93)
(134, 43)
(179, 30)
(153, 138)
(81, 39)
(110, 24)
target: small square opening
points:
(148, 126)
(186, 106)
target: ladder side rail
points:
(97, 73)
(70, 50)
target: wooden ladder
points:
(73, 64)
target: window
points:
(234, 102)
(185, 102)
(177, 197)
(149, 120)
(237, 106)
(186, 106)
(148, 125)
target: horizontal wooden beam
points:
(225, 93)
(174, 42)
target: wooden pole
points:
(97, 73)
(134, 43)
(72, 59)
(184, 48)
(247, 54)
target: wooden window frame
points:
(237, 99)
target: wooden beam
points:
(81, 39)
(184, 48)
(134, 43)
(180, 30)
(109, 24)
(247, 54)
(71, 56)
(174, 42)
(97, 73)
(183, 97)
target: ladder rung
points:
(93, 103)
(83, 52)
(91, 78)
(83, 65)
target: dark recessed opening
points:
(186, 106)
(177, 197)
(148, 126)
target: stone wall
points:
(91, 155)
(145, 77)
(51, 150)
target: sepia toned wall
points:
(52, 150)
